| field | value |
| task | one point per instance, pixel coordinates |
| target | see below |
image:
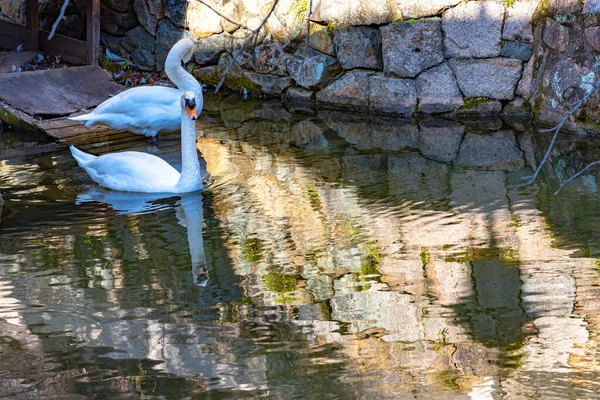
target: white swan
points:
(133, 171)
(147, 110)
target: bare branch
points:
(556, 130)
(576, 175)
(222, 16)
(60, 18)
(253, 34)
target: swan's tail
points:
(90, 118)
(81, 157)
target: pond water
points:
(334, 255)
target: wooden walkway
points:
(40, 102)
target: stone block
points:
(167, 35)
(358, 47)
(521, 51)
(495, 78)
(270, 59)
(352, 12)
(207, 50)
(440, 139)
(517, 23)
(140, 46)
(392, 95)
(497, 151)
(473, 29)
(350, 91)
(311, 69)
(419, 8)
(409, 48)
(320, 39)
(556, 36)
(438, 91)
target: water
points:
(335, 255)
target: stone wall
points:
(399, 57)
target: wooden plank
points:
(32, 24)
(69, 49)
(60, 91)
(11, 34)
(16, 58)
(93, 31)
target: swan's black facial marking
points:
(190, 104)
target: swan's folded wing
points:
(136, 99)
(132, 171)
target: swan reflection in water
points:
(189, 214)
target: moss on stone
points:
(278, 282)
(507, 255)
(425, 256)
(252, 250)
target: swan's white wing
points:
(134, 172)
(133, 100)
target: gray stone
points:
(495, 78)
(351, 91)
(285, 25)
(497, 151)
(120, 5)
(71, 26)
(207, 75)
(556, 36)
(145, 16)
(440, 139)
(320, 39)
(270, 59)
(438, 91)
(392, 95)
(113, 43)
(140, 45)
(525, 84)
(311, 69)
(564, 7)
(591, 6)
(271, 85)
(167, 35)
(480, 107)
(200, 19)
(521, 51)
(473, 29)
(235, 11)
(300, 95)
(13, 10)
(592, 37)
(517, 23)
(409, 48)
(308, 135)
(358, 47)
(518, 107)
(420, 8)
(352, 12)
(115, 22)
(175, 10)
(207, 50)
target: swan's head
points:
(188, 101)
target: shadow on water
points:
(334, 255)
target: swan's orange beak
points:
(192, 112)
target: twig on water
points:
(556, 130)
(253, 33)
(61, 15)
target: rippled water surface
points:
(334, 255)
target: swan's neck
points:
(190, 166)
(180, 77)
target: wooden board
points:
(61, 91)
(73, 51)
(8, 59)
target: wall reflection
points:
(335, 253)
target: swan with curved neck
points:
(133, 171)
(147, 110)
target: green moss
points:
(475, 101)
(252, 250)
(279, 283)
(509, 3)
(598, 263)
(425, 256)
(299, 10)
(313, 196)
(509, 256)
(516, 221)
(370, 261)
